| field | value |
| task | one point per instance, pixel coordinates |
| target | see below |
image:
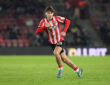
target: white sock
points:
(77, 70)
(60, 68)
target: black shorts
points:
(58, 44)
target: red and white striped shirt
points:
(54, 31)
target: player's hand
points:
(63, 34)
(47, 24)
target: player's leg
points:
(71, 64)
(56, 52)
(67, 61)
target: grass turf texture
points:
(42, 70)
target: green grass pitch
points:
(42, 70)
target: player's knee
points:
(56, 53)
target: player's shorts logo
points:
(59, 43)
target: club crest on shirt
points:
(53, 27)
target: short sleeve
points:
(60, 19)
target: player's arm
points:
(67, 23)
(40, 28)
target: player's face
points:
(49, 15)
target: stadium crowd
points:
(20, 18)
(101, 20)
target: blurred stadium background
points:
(90, 25)
(22, 60)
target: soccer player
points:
(51, 24)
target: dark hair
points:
(50, 8)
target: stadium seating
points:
(15, 15)
(101, 18)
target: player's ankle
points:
(60, 67)
(76, 69)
